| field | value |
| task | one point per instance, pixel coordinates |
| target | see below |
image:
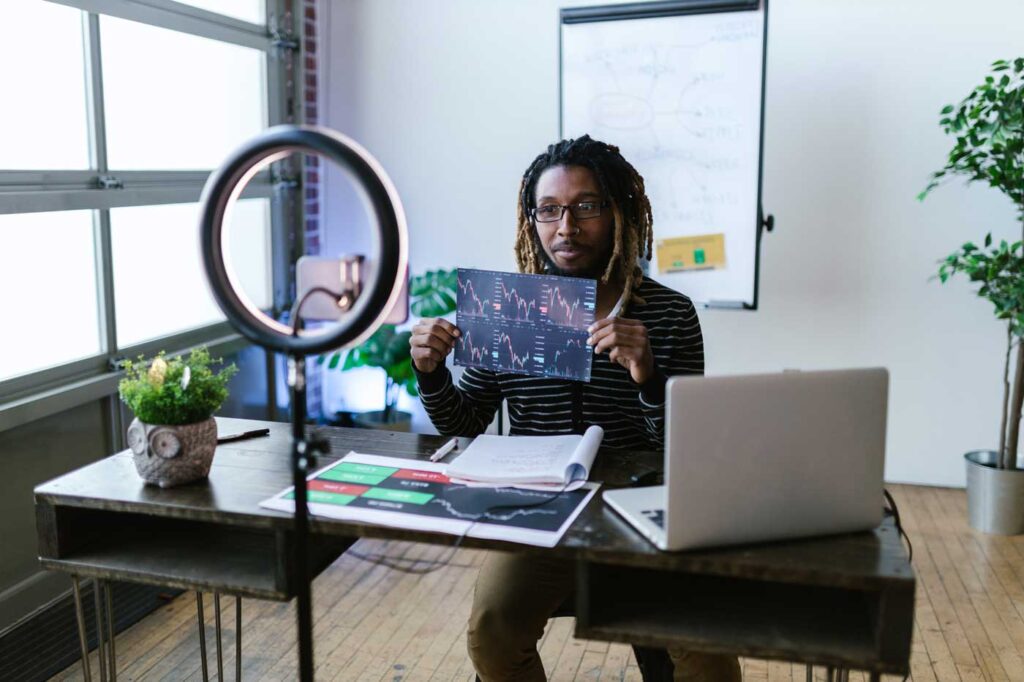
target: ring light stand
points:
(365, 305)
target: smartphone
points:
(330, 273)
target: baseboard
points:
(46, 642)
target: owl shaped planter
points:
(172, 455)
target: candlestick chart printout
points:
(525, 324)
(409, 493)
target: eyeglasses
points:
(552, 213)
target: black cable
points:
(899, 525)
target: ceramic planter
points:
(995, 497)
(173, 455)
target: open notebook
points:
(535, 462)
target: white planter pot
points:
(995, 497)
(173, 455)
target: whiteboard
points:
(682, 97)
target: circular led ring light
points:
(377, 297)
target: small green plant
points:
(175, 391)
(989, 129)
(431, 294)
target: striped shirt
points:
(632, 416)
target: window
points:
(175, 100)
(105, 146)
(159, 285)
(50, 95)
(50, 298)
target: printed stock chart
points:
(526, 324)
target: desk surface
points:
(247, 472)
(840, 600)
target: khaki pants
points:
(516, 594)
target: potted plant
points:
(989, 129)
(174, 435)
(431, 294)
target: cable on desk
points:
(899, 525)
(430, 565)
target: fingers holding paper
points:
(432, 339)
(626, 343)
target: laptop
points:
(765, 457)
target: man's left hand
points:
(626, 343)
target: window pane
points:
(43, 123)
(159, 284)
(48, 298)
(246, 10)
(177, 101)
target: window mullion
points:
(105, 282)
(94, 94)
(103, 251)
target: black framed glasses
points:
(583, 210)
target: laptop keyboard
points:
(656, 516)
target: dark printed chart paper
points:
(526, 324)
(414, 494)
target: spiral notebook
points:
(533, 462)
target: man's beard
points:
(596, 272)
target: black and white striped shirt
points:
(632, 416)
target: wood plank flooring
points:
(380, 625)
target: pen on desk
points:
(444, 449)
(245, 435)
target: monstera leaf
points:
(431, 294)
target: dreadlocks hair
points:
(621, 185)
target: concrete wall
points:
(457, 96)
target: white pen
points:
(444, 450)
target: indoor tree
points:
(989, 129)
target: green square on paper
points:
(391, 495)
(677, 263)
(365, 474)
(325, 497)
(698, 256)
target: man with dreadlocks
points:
(582, 212)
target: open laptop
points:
(765, 457)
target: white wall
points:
(457, 96)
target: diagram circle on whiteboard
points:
(679, 88)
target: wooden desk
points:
(844, 601)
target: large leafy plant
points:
(176, 391)
(431, 294)
(988, 126)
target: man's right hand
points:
(432, 340)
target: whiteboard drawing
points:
(681, 97)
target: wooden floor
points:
(377, 624)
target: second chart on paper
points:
(525, 324)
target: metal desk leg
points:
(110, 631)
(810, 673)
(216, 620)
(82, 635)
(100, 649)
(202, 635)
(238, 639)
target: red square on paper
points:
(336, 487)
(415, 475)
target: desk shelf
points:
(181, 553)
(757, 618)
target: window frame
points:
(50, 390)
